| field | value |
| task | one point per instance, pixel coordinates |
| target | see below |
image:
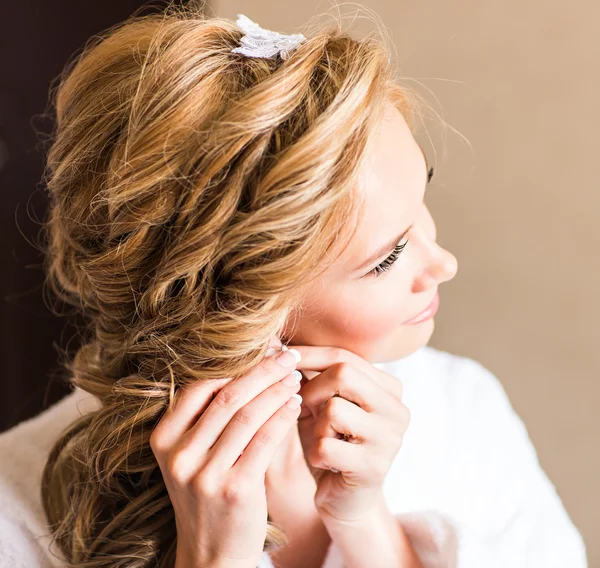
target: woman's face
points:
(351, 307)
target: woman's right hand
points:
(214, 455)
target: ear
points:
(274, 346)
(290, 325)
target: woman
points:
(217, 191)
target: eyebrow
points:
(388, 247)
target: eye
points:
(386, 264)
(430, 174)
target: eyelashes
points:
(386, 264)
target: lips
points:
(431, 304)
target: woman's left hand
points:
(348, 396)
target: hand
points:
(213, 447)
(349, 396)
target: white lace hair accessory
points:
(259, 42)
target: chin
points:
(410, 339)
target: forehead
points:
(393, 182)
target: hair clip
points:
(258, 42)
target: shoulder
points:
(20, 547)
(24, 450)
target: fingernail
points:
(287, 358)
(296, 353)
(294, 401)
(292, 379)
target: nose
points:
(442, 267)
(446, 266)
(439, 264)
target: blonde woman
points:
(232, 211)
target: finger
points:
(341, 417)
(319, 358)
(246, 424)
(259, 453)
(209, 427)
(190, 402)
(188, 405)
(346, 458)
(348, 382)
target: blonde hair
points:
(194, 192)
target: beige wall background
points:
(519, 207)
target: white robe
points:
(466, 484)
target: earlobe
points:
(288, 331)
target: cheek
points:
(357, 321)
(375, 316)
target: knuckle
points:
(234, 492)
(317, 454)
(321, 449)
(263, 437)
(331, 408)
(228, 397)
(337, 353)
(175, 466)
(203, 485)
(243, 417)
(340, 369)
(156, 444)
